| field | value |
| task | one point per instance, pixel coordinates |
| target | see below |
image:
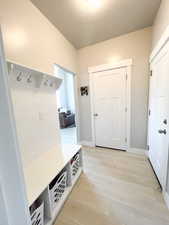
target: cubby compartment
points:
(45, 209)
(40, 210)
(37, 213)
(48, 205)
(58, 187)
(75, 164)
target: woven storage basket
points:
(37, 216)
(75, 164)
(57, 188)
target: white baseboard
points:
(166, 198)
(131, 150)
(139, 151)
(87, 143)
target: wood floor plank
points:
(116, 188)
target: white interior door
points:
(158, 120)
(109, 98)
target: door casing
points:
(77, 120)
(127, 64)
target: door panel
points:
(159, 105)
(109, 107)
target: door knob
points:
(162, 131)
(95, 114)
(165, 121)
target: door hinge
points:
(151, 73)
(149, 112)
(148, 147)
(126, 140)
(126, 76)
(125, 109)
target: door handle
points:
(95, 114)
(162, 131)
(165, 121)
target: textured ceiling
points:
(84, 26)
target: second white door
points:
(109, 99)
(159, 116)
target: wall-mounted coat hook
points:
(12, 67)
(46, 82)
(29, 80)
(19, 77)
(51, 84)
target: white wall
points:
(35, 114)
(30, 39)
(161, 21)
(134, 45)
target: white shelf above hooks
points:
(37, 79)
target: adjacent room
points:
(66, 106)
(84, 137)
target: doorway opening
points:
(66, 106)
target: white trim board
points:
(75, 81)
(87, 143)
(28, 67)
(105, 67)
(163, 40)
(77, 108)
(139, 151)
(99, 68)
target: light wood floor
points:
(116, 188)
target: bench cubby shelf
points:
(50, 212)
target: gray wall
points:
(135, 45)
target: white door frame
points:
(76, 101)
(105, 67)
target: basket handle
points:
(76, 156)
(61, 177)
